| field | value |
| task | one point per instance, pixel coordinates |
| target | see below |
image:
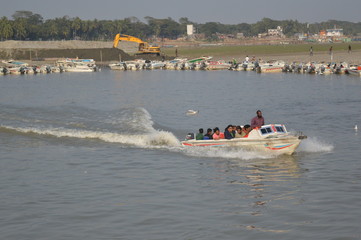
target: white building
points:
(190, 30)
(275, 32)
(335, 32)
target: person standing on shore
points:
(257, 121)
(330, 50)
(331, 53)
(349, 48)
(311, 51)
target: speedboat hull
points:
(279, 146)
(272, 139)
(354, 72)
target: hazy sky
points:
(200, 11)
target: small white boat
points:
(192, 112)
(78, 68)
(16, 70)
(117, 66)
(217, 65)
(272, 138)
(323, 69)
(354, 70)
(13, 63)
(135, 65)
(76, 65)
(271, 67)
(45, 69)
(247, 66)
(155, 65)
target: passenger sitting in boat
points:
(238, 133)
(245, 131)
(208, 135)
(228, 132)
(234, 129)
(257, 121)
(217, 134)
(199, 136)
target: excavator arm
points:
(123, 37)
(143, 46)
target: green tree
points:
(20, 29)
(6, 30)
(76, 26)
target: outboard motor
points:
(22, 70)
(190, 136)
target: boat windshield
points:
(268, 129)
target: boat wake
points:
(314, 145)
(157, 138)
(226, 152)
(131, 127)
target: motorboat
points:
(271, 67)
(117, 66)
(217, 65)
(13, 63)
(134, 65)
(341, 68)
(323, 68)
(78, 68)
(248, 66)
(155, 65)
(76, 65)
(271, 138)
(354, 70)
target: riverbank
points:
(38, 52)
(287, 53)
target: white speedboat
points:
(76, 65)
(323, 69)
(354, 70)
(272, 138)
(78, 68)
(155, 65)
(271, 67)
(117, 66)
(247, 66)
(217, 65)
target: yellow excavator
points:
(144, 47)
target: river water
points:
(97, 156)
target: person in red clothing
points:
(257, 121)
(217, 134)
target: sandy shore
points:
(338, 56)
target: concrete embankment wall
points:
(50, 50)
(98, 54)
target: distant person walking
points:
(176, 52)
(311, 51)
(349, 49)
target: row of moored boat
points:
(62, 65)
(206, 63)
